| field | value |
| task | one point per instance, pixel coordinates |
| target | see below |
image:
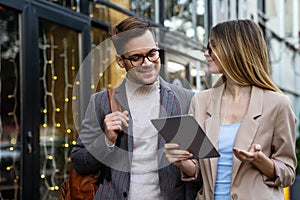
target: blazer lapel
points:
(249, 126)
(212, 127)
(168, 102)
(121, 97)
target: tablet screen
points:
(185, 131)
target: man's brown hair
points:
(127, 29)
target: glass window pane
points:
(105, 71)
(10, 104)
(103, 13)
(59, 63)
(144, 8)
(71, 4)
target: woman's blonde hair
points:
(241, 49)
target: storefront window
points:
(71, 4)
(187, 17)
(105, 71)
(59, 64)
(144, 8)
(10, 104)
(103, 13)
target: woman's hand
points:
(250, 155)
(180, 158)
(175, 155)
(257, 158)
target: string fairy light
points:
(11, 116)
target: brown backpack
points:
(79, 187)
(84, 187)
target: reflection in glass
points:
(105, 72)
(10, 104)
(103, 13)
(59, 63)
(71, 4)
(144, 8)
(187, 17)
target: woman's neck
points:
(235, 91)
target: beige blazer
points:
(270, 122)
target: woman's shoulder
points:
(205, 94)
(202, 95)
(276, 97)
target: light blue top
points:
(226, 142)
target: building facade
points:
(56, 53)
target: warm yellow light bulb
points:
(73, 142)
(58, 125)
(73, 68)
(74, 98)
(100, 74)
(8, 168)
(69, 130)
(13, 141)
(44, 111)
(50, 157)
(57, 109)
(11, 148)
(45, 125)
(43, 176)
(93, 86)
(67, 100)
(77, 82)
(55, 78)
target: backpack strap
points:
(105, 172)
(114, 104)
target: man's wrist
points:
(109, 143)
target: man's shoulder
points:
(178, 89)
(99, 96)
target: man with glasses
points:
(123, 145)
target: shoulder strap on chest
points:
(114, 104)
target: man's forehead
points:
(140, 44)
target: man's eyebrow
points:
(138, 54)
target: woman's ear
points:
(120, 61)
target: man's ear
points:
(120, 61)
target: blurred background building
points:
(54, 54)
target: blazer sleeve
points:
(283, 146)
(197, 177)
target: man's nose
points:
(146, 61)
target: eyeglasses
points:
(209, 49)
(138, 59)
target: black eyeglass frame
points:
(142, 56)
(209, 49)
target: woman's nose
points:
(206, 54)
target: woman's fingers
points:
(174, 154)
